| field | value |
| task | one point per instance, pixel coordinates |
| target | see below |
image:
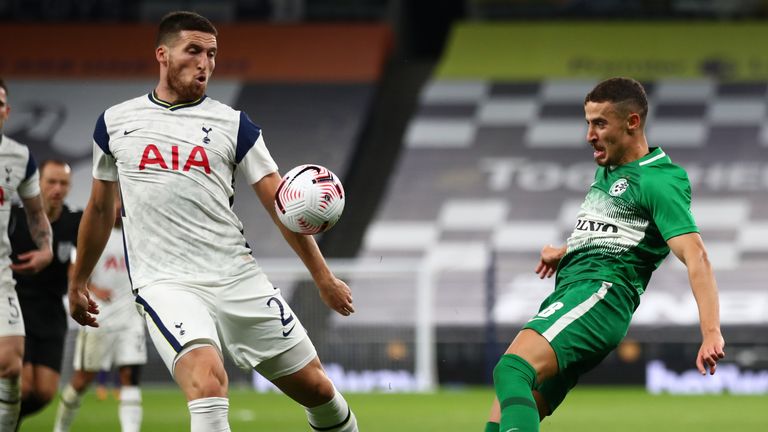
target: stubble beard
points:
(186, 92)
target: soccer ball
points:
(309, 199)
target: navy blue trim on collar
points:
(173, 107)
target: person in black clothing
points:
(40, 295)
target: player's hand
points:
(337, 296)
(33, 261)
(550, 258)
(81, 307)
(710, 353)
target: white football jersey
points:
(18, 175)
(175, 165)
(111, 274)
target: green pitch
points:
(586, 409)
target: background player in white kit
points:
(20, 177)
(174, 153)
(119, 341)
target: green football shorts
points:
(583, 321)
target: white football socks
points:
(209, 414)
(69, 404)
(332, 416)
(10, 403)
(130, 411)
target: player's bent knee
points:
(200, 373)
(10, 360)
(10, 368)
(206, 385)
(319, 387)
(323, 390)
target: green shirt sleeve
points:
(667, 193)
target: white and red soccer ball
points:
(309, 199)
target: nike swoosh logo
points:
(128, 132)
(286, 333)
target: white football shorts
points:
(97, 349)
(11, 320)
(248, 317)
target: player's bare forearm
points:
(689, 248)
(95, 228)
(704, 290)
(40, 231)
(303, 245)
(39, 227)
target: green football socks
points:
(491, 427)
(513, 379)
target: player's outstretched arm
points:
(334, 292)
(550, 258)
(95, 228)
(40, 230)
(689, 248)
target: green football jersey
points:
(624, 222)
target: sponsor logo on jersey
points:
(197, 158)
(114, 262)
(128, 132)
(590, 225)
(618, 187)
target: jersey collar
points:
(173, 107)
(655, 156)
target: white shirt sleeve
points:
(30, 187)
(104, 166)
(257, 162)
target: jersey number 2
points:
(283, 319)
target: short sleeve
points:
(668, 197)
(30, 187)
(104, 167)
(252, 156)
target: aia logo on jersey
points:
(114, 262)
(196, 158)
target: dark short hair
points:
(3, 86)
(45, 163)
(175, 22)
(626, 94)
